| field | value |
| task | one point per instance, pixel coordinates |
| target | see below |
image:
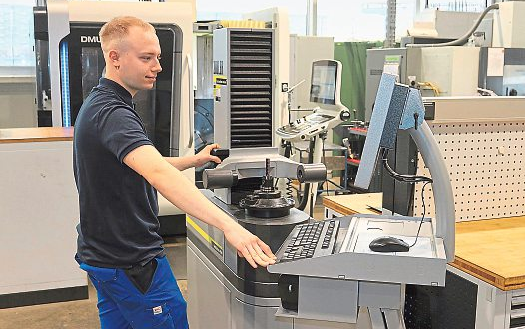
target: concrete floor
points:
(83, 314)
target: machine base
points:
(213, 302)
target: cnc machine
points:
(76, 64)
(224, 291)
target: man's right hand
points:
(249, 246)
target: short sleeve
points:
(121, 131)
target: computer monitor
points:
(388, 109)
(326, 81)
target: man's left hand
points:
(248, 245)
(204, 155)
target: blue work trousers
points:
(122, 305)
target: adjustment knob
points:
(344, 115)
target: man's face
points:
(139, 60)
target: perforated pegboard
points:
(485, 162)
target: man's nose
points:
(157, 68)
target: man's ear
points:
(114, 58)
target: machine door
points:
(82, 64)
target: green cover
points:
(352, 56)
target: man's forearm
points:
(171, 183)
(189, 199)
(181, 163)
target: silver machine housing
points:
(223, 290)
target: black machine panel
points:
(398, 197)
(82, 65)
(449, 307)
(251, 88)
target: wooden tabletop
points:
(354, 203)
(492, 250)
(29, 135)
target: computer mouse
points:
(388, 244)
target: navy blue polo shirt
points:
(118, 207)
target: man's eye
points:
(146, 58)
(159, 58)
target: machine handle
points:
(220, 153)
(191, 108)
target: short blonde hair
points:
(118, 28)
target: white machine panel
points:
(304, 50)
(509, 25)
(444, 24)
(454, 70)
(39, 213)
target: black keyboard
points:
(309, 240)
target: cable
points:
(411, 179)
(324, 161)
(289, 188)
(424, 211)
(400, 177)
(430, 86)
(324, 154)
(287, 153)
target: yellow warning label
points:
(220, 80)
(205, 235)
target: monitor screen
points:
(324, 80)
(386, 115)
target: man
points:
(117, 172)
